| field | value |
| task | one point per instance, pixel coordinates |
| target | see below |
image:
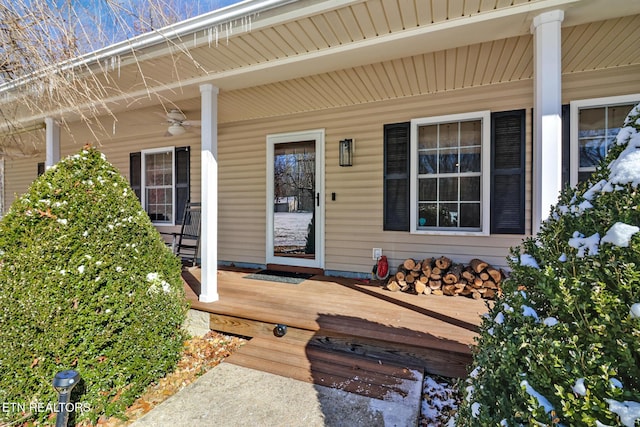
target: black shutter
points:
(566, 146)
(135, 173)
(183, 173)
(508, 172)
(396, 176)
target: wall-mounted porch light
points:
(346, 152)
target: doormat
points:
(279, 276)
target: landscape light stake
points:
(63, 383)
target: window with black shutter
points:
(507, 175)
(508, 172)
(182, 184)
(396, 176)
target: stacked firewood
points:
(440, 276)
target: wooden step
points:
(294, 358)
(339, 314)
(422, 354)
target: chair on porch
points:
(186, 242)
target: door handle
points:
(317, 199)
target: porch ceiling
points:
(368, 50)
(309, 55)
(496, 61)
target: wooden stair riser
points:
(432, 359)
(348, 372)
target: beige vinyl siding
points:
(131, 136)
(603, 83)
(353, 222)
(18, 175)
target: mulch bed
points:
(199, 355)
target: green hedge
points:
(562, 347)
(86, 283)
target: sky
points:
(117, 18)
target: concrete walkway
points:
(229, 395)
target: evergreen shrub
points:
(562, 347)
(86, 283)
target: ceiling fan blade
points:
(191, 123)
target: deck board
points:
(345, 313)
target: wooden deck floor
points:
(429, 332)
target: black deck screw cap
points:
(280, 330)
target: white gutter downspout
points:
(52, 143)
(209, 194)
(547, 106)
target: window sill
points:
(449, 233)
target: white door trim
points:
(318, 135)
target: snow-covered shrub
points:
(86, 283)
(562, 347)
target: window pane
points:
(448, 189)
(470, 215)
(428, 189)
(470, 133)
(427, 163)
(597, 129)
(616, 116)
(448, 215)
(592, 151)
(470, 189)
(427, 214)
(592, 122)
(158, 189)
(428, 137)
(158, 204)
(470, 160)
(449, 174)
(448, 135)
(583, 176)
(159, 169)
(448, 161)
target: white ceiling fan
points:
(178, 123)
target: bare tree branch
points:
(41, 39)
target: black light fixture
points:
(346, 152)
(63, 383)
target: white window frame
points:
(143, 183)
(485, 182)
(574, 110)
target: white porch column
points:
(209, 194)
(52, 143)
(547, 107)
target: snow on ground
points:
(439, 402)
(290, 228)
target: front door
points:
(295, 199)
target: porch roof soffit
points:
(351, 34)
(308, 38)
